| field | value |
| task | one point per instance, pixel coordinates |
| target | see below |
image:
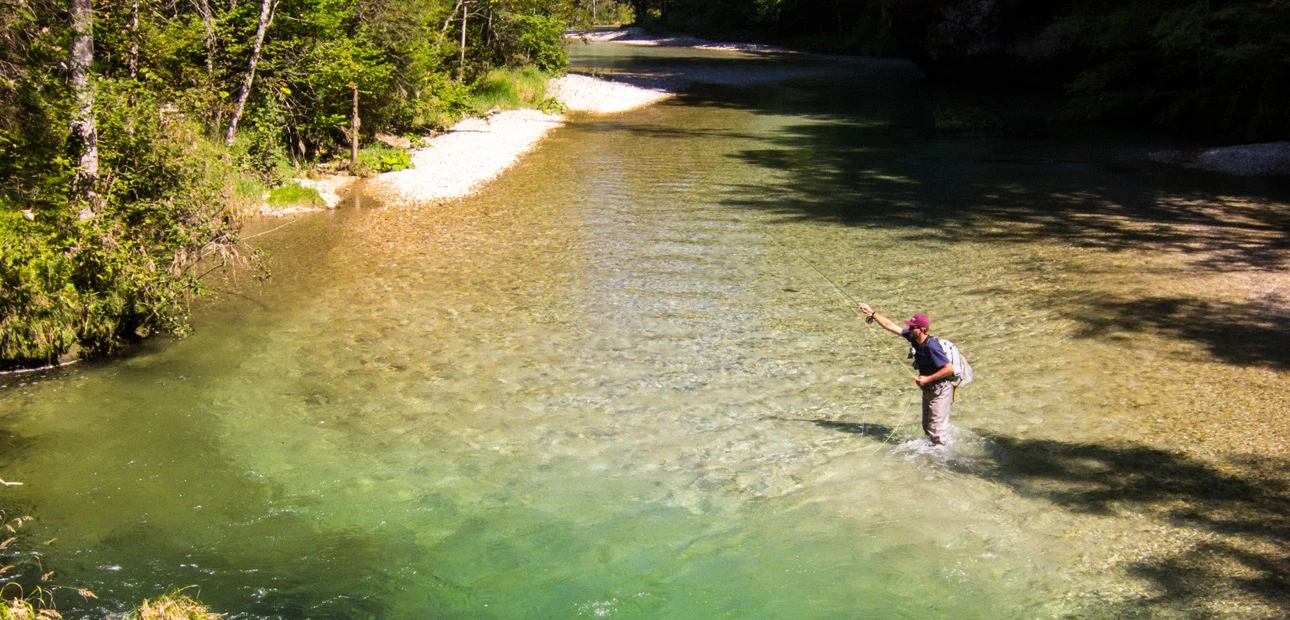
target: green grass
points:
(293, 195)
(509, 89)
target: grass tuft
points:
(293, 195)
(174, 605)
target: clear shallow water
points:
(610, 386)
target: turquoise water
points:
(612, 385)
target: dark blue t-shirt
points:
(929, 356)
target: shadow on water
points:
(863, 153)
(1231, 521)
(1251, 333)
(880, 432)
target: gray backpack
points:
(962, 369)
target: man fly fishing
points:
(935, 371)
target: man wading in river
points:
(934, 371)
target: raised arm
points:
(885, 322)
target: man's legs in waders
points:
(937, 398)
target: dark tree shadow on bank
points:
(1232, 520)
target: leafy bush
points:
(536, 40)
(378, 157)
(261, 146)
(39, 305)
(967, 121)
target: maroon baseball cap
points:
(919, 320)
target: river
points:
(626, 381)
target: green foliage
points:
(538, 41)
(377, 158)
(39, 305)
(963, 121)
(262, 144)
(1208, 69)
(127, 271)
(294, 194)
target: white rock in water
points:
(1247, 160)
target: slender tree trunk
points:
(84, 125)
(134, 39)
(208, 24)
(266, 17)
(353, 126)
(448, 22)
(461, 62)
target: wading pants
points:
(937, 398)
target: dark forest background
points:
(1209, 68)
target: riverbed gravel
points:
(469, 155)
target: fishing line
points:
(869, 331)
(854, 302)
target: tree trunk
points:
(208, 23)
(353, 126)
(461, 62)
(266, 17)
(134, 39)
(84, 125)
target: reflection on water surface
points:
(611, 386)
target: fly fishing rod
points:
(868, 320)
(855, 303)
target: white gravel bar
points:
(462, 160)
(583, 93)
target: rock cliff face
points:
(983, 41)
